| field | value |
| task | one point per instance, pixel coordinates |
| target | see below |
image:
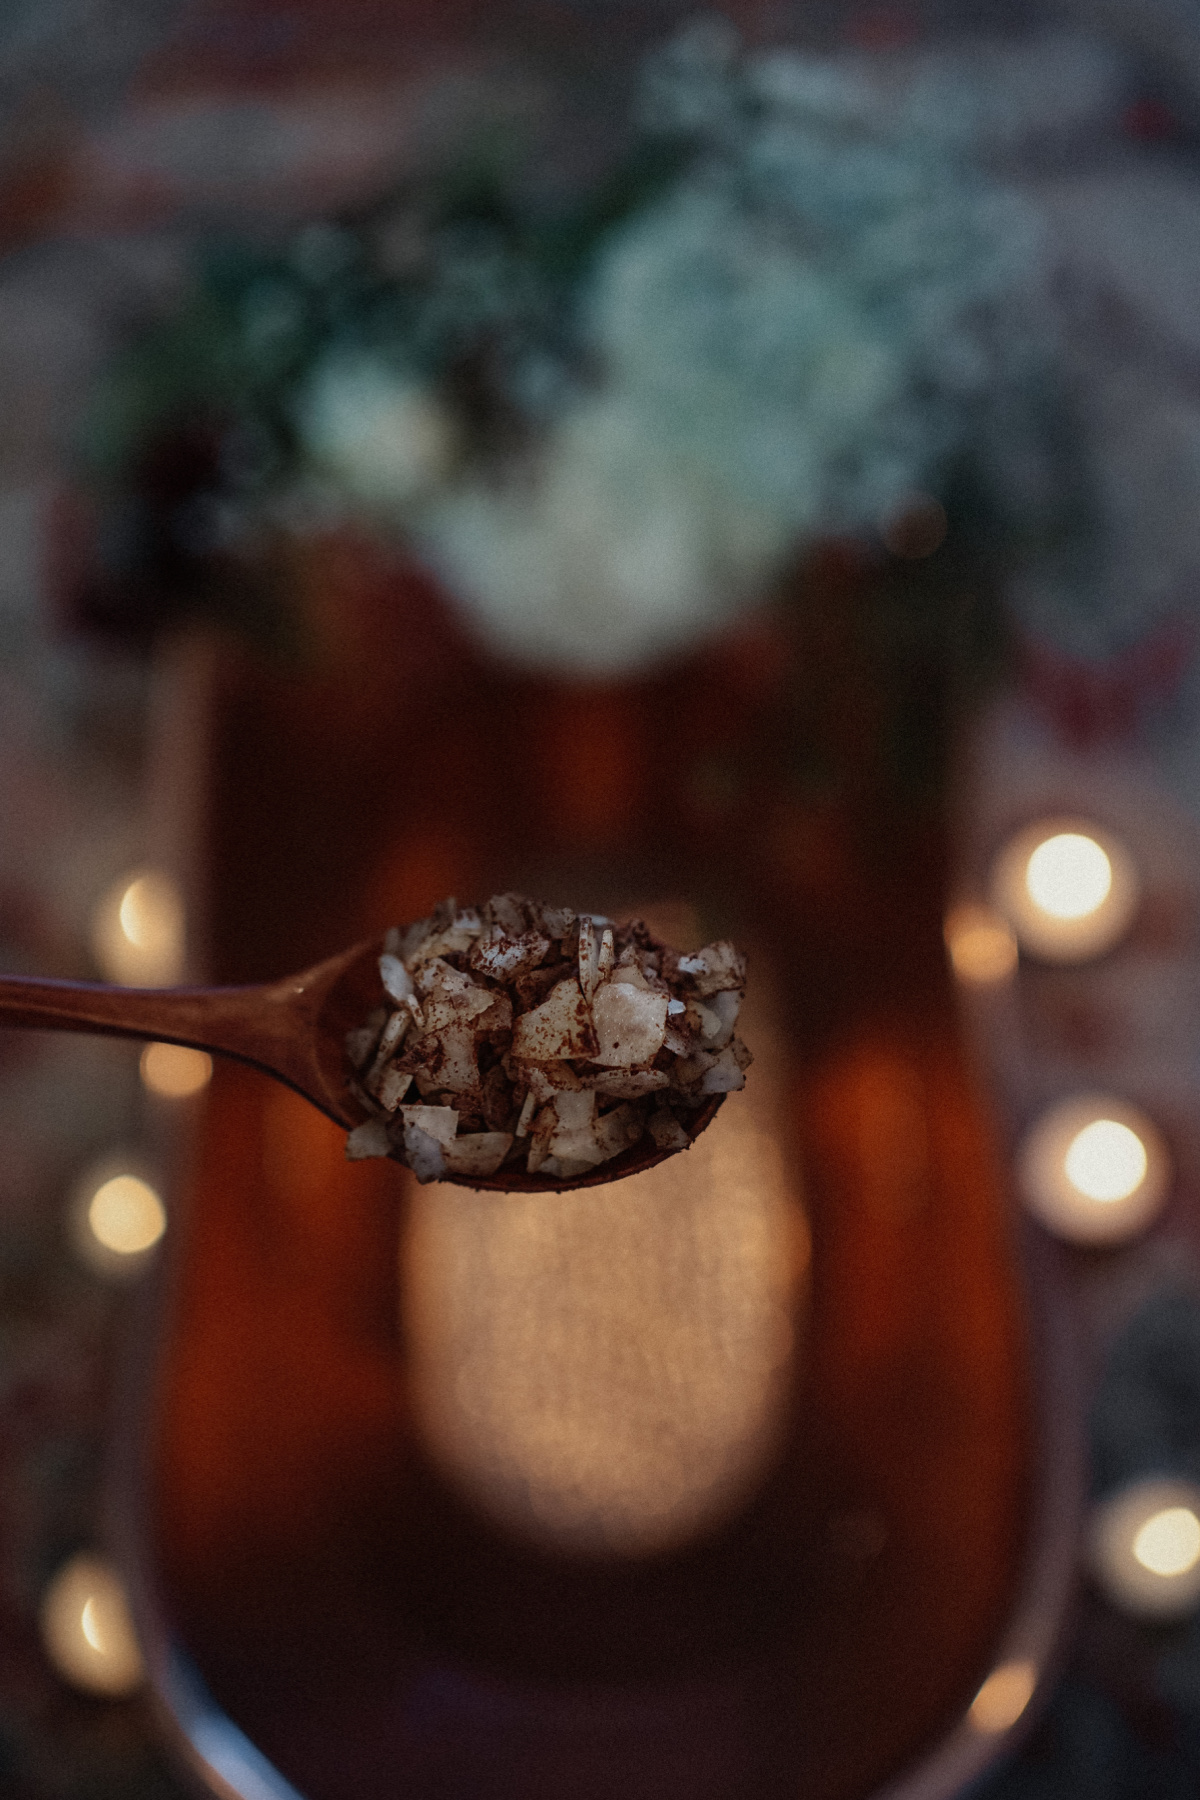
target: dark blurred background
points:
(132, 134)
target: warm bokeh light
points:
(174, 1072)
(981, 945)
(138, 931)
(1094, 1170)
(1169, 1542)
(126, 1216)
(1106, 1161)
(1003, 1697)
(116, 1216)
(1144, 1548)
(87, 1631)
(1068, 888)
(1069, 876)
(629, 1407)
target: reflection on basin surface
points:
(610, 1373)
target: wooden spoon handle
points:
(278, 1027)
(203, 1018)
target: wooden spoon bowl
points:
(294, 1030)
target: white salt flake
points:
(477, 1152)
(618, 1085)
(629, 973)
(617, 1131)
(391, 1088)
(389, 1042)
(589, 957)
(667, 1132)
(512, 913)
(630, 1024)
(717, 966)
(451, 1058)
(395, 977)
(368, 1139)
(548, 1079)
(689, 1071)
(724, 1077)
(448, 994)
(575, 1134)
(440, 1122)
(424, 1155)
(555, 921)
(565, 1168)
(443, 939)
(498, 1017)
(720, 1012)
(558, 1028)
(427, 1129)
(544, 1125)
(575, 1111)
(708, 1023)
(507, 958)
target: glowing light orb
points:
(116, 1216)
(1144, 1548)
(1106, 1161)
(87, 1632)
(1003, 1697)
(1069, 889)
(1169, 1542)
(981, 945)
(1094, 1170)
(1069, 876)
(173, 1072)
(126, 1215)
(138, 931)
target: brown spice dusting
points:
(523, 1035)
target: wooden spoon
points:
(294, 1030)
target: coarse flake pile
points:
(532, 1037)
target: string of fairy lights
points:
(116, 1217)
(1093, 1168)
